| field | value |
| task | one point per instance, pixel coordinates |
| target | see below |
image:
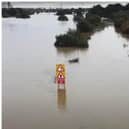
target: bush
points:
(63, 11)
(107, 11)
(93, 19)
(120, 17)
(71, 39)
(17, 12)
(97, 10)
(84, 26)
(62, 18)
(78, 17)
(111, 9)
(124, 28)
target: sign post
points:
(60, 74)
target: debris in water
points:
(76, 60)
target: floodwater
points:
(97, 88)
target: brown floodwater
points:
(97, 88)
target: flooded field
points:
(97, 88)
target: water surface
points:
(97, 88)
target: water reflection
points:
(105, 60)
(62, 23)
(61, 98)
(69, 51)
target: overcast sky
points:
(59, 4)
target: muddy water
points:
(97, 88)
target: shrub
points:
(62, 18)
(84, 26)
(99, 10)
(120, 17)
(71, 39)
(93, 19)
(63, 11)
(78, 17)
(124, 28)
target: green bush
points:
(78, 17)
(93, 19)
(120, 17)
(84, 26)
(62, 18)
(121, 21)
(71, 39)
(125, 27)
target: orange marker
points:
(60, 74)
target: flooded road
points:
(97, 88)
